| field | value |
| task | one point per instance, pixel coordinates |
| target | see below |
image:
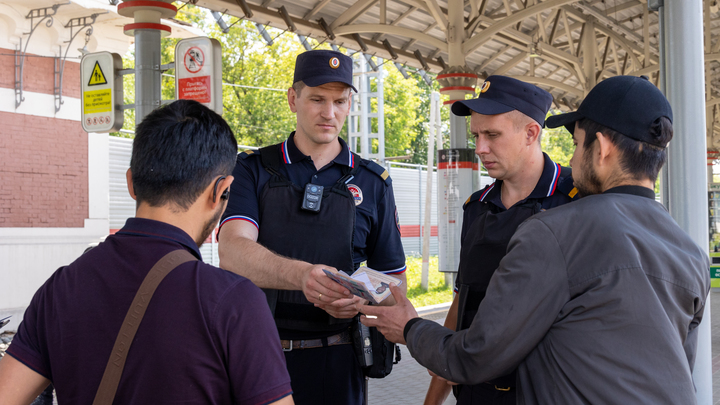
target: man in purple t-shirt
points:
(207, 336)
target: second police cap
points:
(318, 67)
(626, 104)
(501, 94)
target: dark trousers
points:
(483, 394)
(325, 376)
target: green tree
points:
(557, 143)
(256, 78)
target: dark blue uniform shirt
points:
(377, 234)
(553, 189)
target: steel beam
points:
(485, 35)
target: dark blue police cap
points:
(315, 68)
(626, 104)
(501, 94)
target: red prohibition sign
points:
(194, 59)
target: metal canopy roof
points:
(563, 46)
(538, 41)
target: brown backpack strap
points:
(113, 371)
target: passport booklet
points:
(366, 283)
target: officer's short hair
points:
(639, 159)
(298, 86)
(178, 150)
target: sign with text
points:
(198, 71)
(102, 92)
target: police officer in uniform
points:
(304, 206)
(506, 121)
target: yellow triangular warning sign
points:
(97, 76)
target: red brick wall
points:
(38, 74)
(43, 161)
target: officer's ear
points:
(292, 96)
(532, 132)
(128, 178)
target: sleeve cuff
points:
(409, 325)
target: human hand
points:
(319, 289)
(343, 308)
(390, 320)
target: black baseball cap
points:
(501, 94)
(315, 68)
(626, 104)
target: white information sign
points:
(102, 92)
(198, 72)
(456, 170)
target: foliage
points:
(256, 78)
(557, 143)
(437, 292)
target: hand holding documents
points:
(366, 283)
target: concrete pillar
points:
(684, 76)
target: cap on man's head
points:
(501, 94)
(318, 67)
(626, 104)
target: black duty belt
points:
(342, 338)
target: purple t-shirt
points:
(207, 337)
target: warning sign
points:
(195, 88)
(194, 59)
(198, 73)
(97, 77)
(98, 101)
(102, 92)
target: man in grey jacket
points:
(597, 301)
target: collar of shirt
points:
(156, 229)
(291, 154)
(634, 190)
(545, 187)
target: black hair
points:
(178, 150)
(637, 158)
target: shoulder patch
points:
(244, 154)
(566, 185)
(379, 170)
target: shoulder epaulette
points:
(566, 184)
(244, 154)
(377, 169)
(476, 195)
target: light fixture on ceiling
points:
(390, 49)
(325, 27)
(245, 8)
(360, 42)
(535, 51)
(442, 63)
(286, 17)
(420, 59)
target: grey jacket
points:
(596, 302)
